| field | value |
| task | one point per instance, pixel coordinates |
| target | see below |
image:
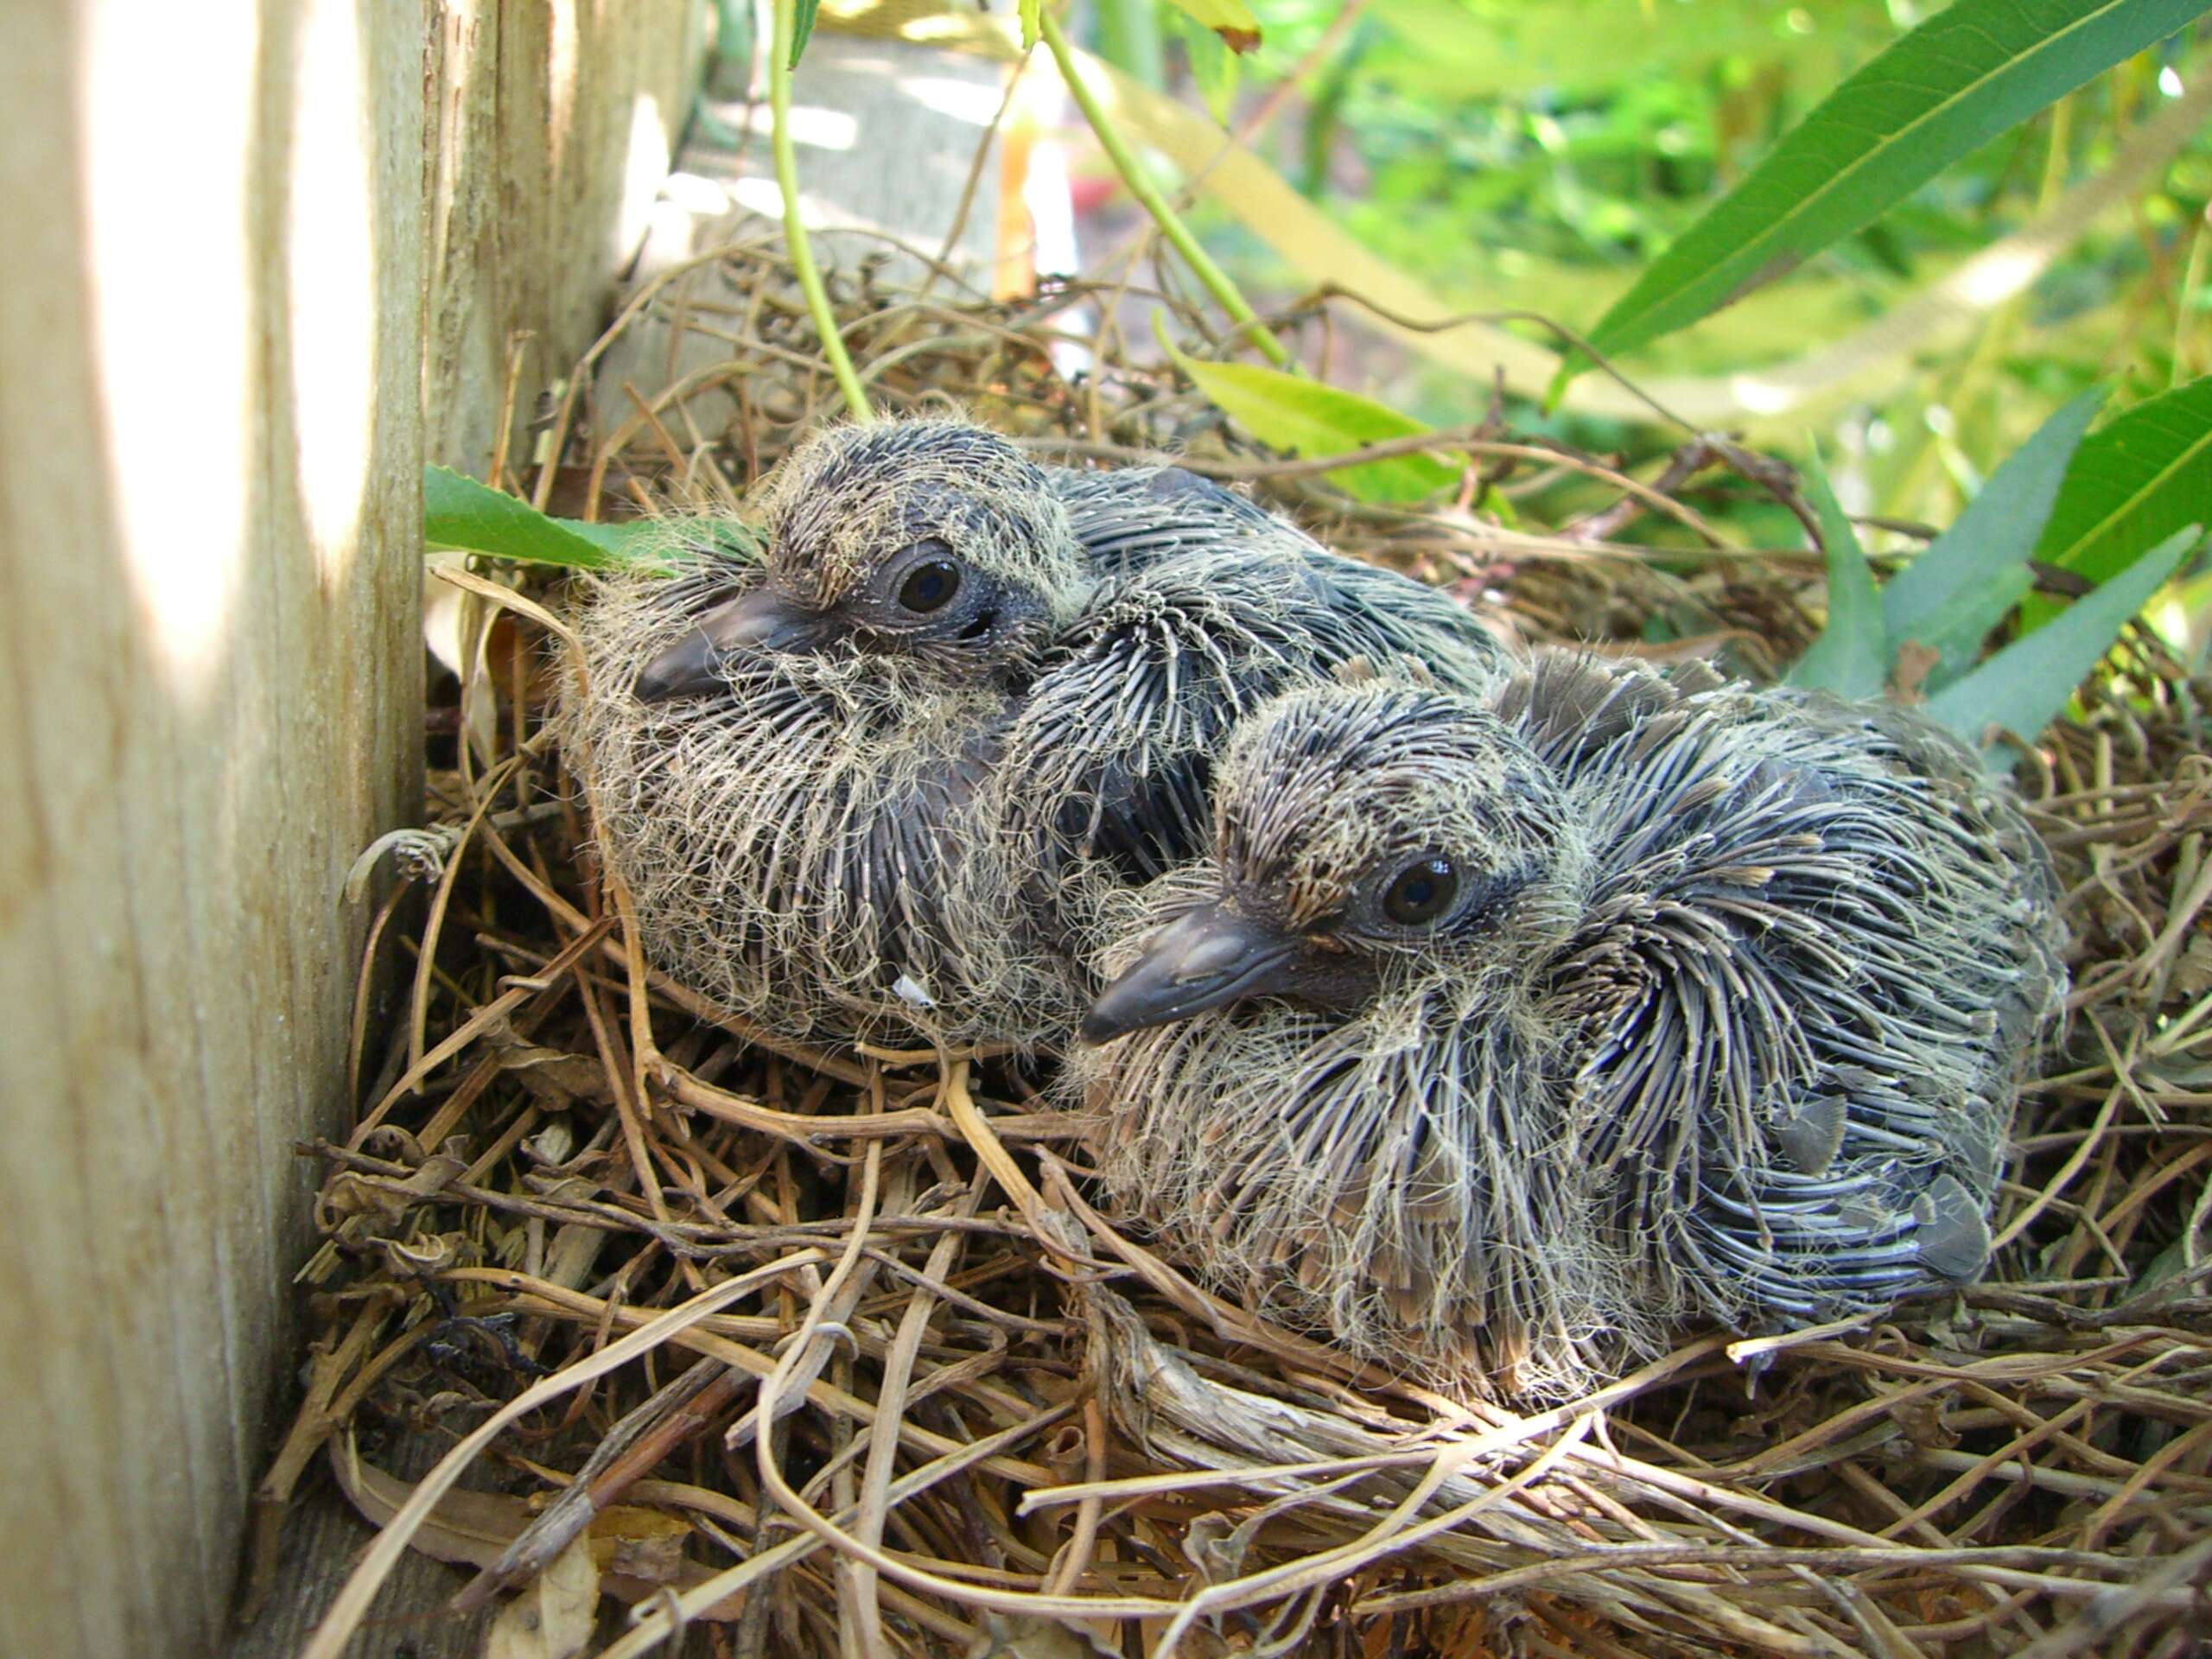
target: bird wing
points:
(1814, 948)
(1137, 517)
(1110, 754)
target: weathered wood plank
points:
(551, 128)
(212, 410)
(209, 546)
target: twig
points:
(1210, 276)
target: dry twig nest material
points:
(871, 780)
(555, 1151)
(1501, 1035)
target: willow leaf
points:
(464, 516)
(1232, 20)
(2141, 476)
(1958, 80)
(1852, 656)
(1968, 578)
(2023, 686)
(1310, 419)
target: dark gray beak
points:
(1206, 959)
(762, 620)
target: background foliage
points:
(1542, 157)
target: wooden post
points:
(213, 376)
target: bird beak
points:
(761, 621)
(1206, 959)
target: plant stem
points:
(1215, 281)
(802, 252)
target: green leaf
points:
(1967, 579)
(1310, 419)
(2143, 475)
(1958, 80)
(461, 514)
(803, 14)
(1214, 70)
(1031, 12)
(2023, 686)
(1231, 19)
(1852, 656)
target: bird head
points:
(933, 542)
(1366, 836)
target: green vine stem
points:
(802, 251)
(1216, 281)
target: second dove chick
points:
(1504, 1033)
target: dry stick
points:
(1687, 463)
(2119, 1604)
(704, 1341)
(1075, 1560)
(771, 1471)
(339, 1625)
(795, 243)
(890, 1566)
(2059, 1182)
(316, 1419)
(1445, 325)
(966, 205)
(2004, 1564)
(1471, 439)
(829, 1310)
(732, 1580)
(633, 1446)
(364, 987)
(1216, 281)
(419, 1006)
(499, 1008)
(629, 1116)
(891, 1408)
(1397, 1530)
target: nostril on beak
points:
(1210, 958)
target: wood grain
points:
(551, 127)
(212, 380)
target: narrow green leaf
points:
(1214, 70)
(2023, 686)
(1231, 19)
(1031, 12)
(1959, 78)
(461, 514)
(803, 17)
(1310, 419)
(1852, 656)
(1967, 579)
(2141, 476)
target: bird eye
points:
(930, 586)
(1422, 891)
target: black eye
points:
(930, 586)
(1422, 891)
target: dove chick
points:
(1502, 1034)
(872, 782)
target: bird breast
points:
(798, 845)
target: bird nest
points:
(796, 1348)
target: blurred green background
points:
(1538, 156)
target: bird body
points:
(1505, 1032)
(873, 780)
